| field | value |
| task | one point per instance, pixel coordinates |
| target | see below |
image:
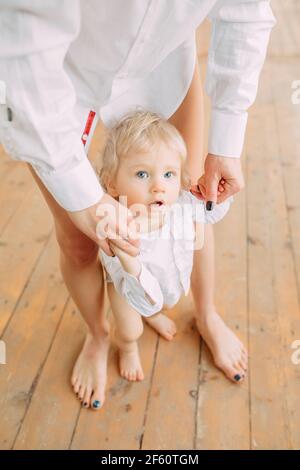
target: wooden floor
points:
(184, 401)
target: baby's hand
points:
(131, 264)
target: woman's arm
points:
(239, 39)
(37, 123)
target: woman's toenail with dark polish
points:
(96, 404)
(237, 377)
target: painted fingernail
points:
(237, 377)
(96, 404)
(209, 205)
(9, 115)
(85, 404)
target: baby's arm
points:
(131, 264)
(135, 282)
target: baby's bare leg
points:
(129, 328)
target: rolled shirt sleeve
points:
(37, 120)
(199, 212)
(143, 293)
(239, 40)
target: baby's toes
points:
(168, 335)
(140, 375)
(133, 376)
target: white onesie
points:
(166, 257)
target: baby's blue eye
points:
(168, 174)
(142, 174)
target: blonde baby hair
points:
(140, 132)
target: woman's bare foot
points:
(129, 360)
(89, 373)
(163, 325)
(228, 351)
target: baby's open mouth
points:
(156, 203)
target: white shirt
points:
(114, 56)
(166, 257)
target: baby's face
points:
(152, 178)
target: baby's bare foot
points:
(89, 373)
(163, 325)
(129, 361)
(228, 351)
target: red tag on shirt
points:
(88, 126)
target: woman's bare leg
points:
(228, 352)
(128, 329)
(83, 276)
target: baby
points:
(144, 167)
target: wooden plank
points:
(286, 215)
(170, 420)
(284, 41)
(271, 279)
(16, 183)
(120, 424)
(28, 338)
(142, 415)
(55, 418)
(231, 290)
(223, 407)
(53, 410)
(22, 242)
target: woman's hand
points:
(108, 220)
(199, 190)
(222, 178)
